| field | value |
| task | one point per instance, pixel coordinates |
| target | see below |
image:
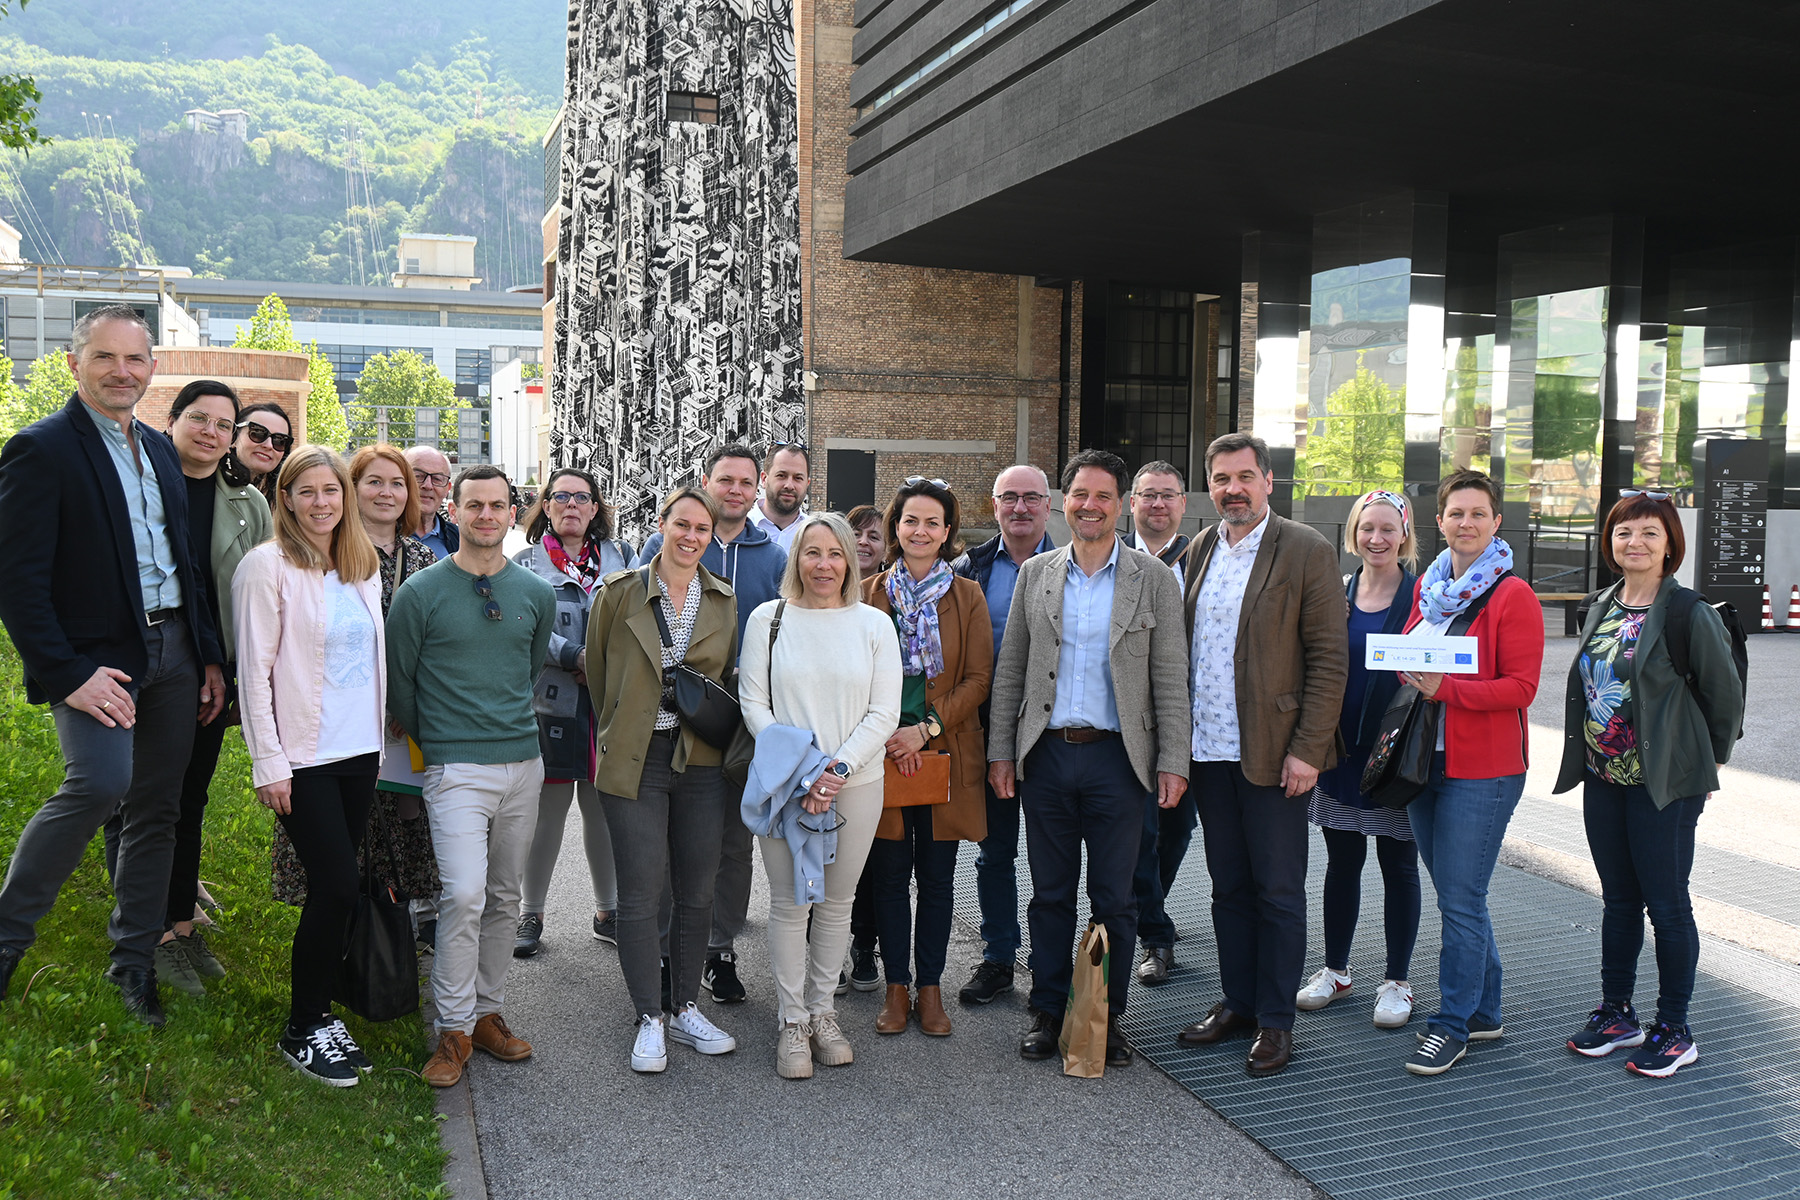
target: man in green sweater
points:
(466, 639)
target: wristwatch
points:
(934, 728)
(840, 769)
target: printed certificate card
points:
(1399, 652)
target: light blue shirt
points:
(149, 523)
(1084, 682)
(434, 541)
(1003, 577)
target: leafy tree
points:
(19, 99)
(48, 385)
(272, 329)
(1361, 443)
(396, 386)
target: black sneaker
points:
(530, 938)
(1667, 1049)
(865, 976)
(353, 1053)
(1437, 1053)
(427, 935)
(668, 989)
(606, 929)
(1608, 1028)
(1479, 1031)
(316, 1054)
(721, 978)
(989, 980)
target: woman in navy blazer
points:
(1379, 597)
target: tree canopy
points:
(389, 393)
(48, 385)
(272, 329)
(1361, 443)
(19, 98)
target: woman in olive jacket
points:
(660, 785)
(1646, 746)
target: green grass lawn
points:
(94, 1104)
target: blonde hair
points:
(791, 586)
(1409, 544)
(351, 550)
(688, 493)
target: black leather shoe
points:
(1154, 970)
(137, 987)
(1270, 1052)
(1040, 1040)
(1218, 1024)
(1118, 1054)
(9, 962)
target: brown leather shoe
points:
(895, 1011)
(932, 1017)
(1270, 1052)
(492, 1035)
(1218, 1024)
(446, 1066)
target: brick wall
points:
(255, 375)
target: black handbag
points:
(379, 977)
(709, 710)
(1399, 766)
(743, 746)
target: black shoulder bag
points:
(710, 711)
(1399, 766)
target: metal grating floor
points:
(1519, 1118)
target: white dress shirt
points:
(1214, 649)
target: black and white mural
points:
(678, 295)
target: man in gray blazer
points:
(1090, 713)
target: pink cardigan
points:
(280, 618)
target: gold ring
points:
(106, 704)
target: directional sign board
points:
(1734, 524)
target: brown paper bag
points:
(1083, 1042)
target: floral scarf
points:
(1442, 597)
(584, 570)
(915, 614)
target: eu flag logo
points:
(1464, 660)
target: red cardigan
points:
(1485, 722)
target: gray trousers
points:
(731, 888)
(136, 772)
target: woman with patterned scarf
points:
(1478, 772)
(947, 656)
(570, 529)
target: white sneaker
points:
(1393, 1004)
(1321, 990)
(829, 1045)
(649, 1053)
(691, 1028)
(793, 1054)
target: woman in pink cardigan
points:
(312, 689)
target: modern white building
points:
(520, 424)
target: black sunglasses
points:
(916, 480)
(260, 434)
(484, 587)
(832, 814)
(1628, 493)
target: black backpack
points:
(1677, 625)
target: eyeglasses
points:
(1158, 497)
(916, 480)
(572, 497)
(260, 434)
(484, 587)
(200, 420)
(1014, 499)
(437, 477)
(837, 822)
(1628, 493)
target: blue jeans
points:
(997, 881)
(1167, 834)
(893, 862)
(1459, 825)
(1644, 856)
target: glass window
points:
(693, 106)
(1149, 358)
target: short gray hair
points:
(84, 327)
(1159, 467)
(791, 586)
(1231, 443)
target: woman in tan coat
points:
(947, 654)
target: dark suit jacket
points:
(1293, 647)
(69, 593)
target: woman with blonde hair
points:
(312, 687)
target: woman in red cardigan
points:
(1478, 772)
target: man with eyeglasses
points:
(786, 478)
(106, 600)
(1021, 509)
(432, 471)
(465, 640)
(1158, 503)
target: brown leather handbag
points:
(930, 784)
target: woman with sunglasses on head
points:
(660, 784)
(834, 673)
(1379, 596)
(570, 531)
(312, 678)
(947, 664)
(1646, 744)
(264, 437)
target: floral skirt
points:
(397, 849)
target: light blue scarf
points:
(1441, 597)
(915, 609)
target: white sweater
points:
(836, 671)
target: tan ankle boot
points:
(932, 1017)
(895, 1011)
(446, 1065)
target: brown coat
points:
(956, 695)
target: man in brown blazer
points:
(1269, 654)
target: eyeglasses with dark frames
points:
(260, 434)
(572, 497)
(437, 477)
(1628, 493)
(484, 587)
(916, 480)
(1013, 499)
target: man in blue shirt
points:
(1021, 505)
(1090, 713)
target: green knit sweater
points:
(459, 683)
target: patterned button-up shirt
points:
(1214, 649)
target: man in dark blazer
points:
(1269, 654)
(1090, 714)
(106, 603)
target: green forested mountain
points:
(426, 136)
